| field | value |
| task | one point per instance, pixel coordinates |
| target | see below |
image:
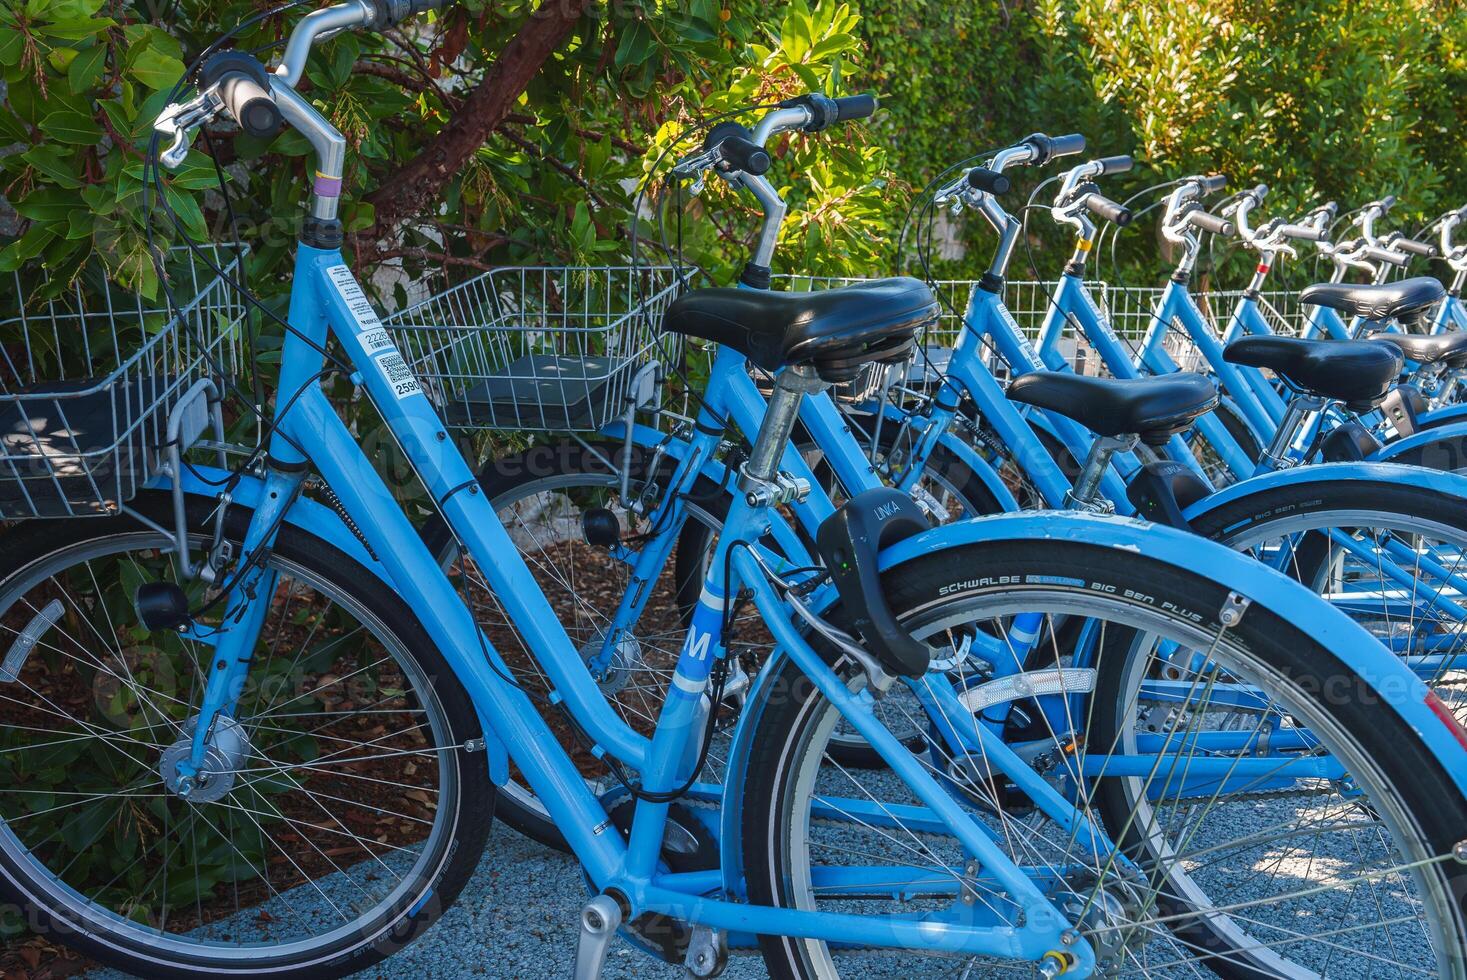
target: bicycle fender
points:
(1442, 416)
(1323, 473)
(323, 522)
(1442, 447)
(1366, 660)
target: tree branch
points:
(417, 183)
(563, 167)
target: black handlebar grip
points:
(1109, 210)
(736, 148)
(825, 111)
(983, 179)
(1259, 192)
(1212, 183)
(1067, 145)
(745, 155)
(855, 107)
(1115, 165)
(1387, 202)
(1412, 247)
(1210, 222)
(387, 14)
(1046, 148)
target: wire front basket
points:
(568, 348)
(91, 384)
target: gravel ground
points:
(517, 918)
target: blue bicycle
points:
(1147, 769)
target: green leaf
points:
(27, 247)
(86, 68)
(76, 29)
(807, 75)
(12, 43)
(54, 162)
(70, 126)
(188, 212)
(155, 69)
(635, 45)
(52, 204)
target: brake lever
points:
(183, 121)
(695, 167)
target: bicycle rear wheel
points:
(341, 815)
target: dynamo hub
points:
(225, 752)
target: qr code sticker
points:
(399, 375)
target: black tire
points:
(794, 712)
(1336, 503)
(1445, 452)
(444, 874)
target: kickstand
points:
(600, 919)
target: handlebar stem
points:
(1367, 218)
(330, 147)
(1174, 227)
(315, 25)
(774, 211)
(1007, 227)
(1448, 225)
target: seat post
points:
(1085, 494)
(790, 387)
(1299, 409)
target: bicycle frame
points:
(325, 299)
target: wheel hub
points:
(225, 752)
(1107, 915)
(625, 660)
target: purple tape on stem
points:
(327, 186)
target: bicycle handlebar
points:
(1212, 183)
(1413, 247)
(1378, 254)
(733, 148)
(244, 89)
(1098, 204)
(1115, 165)
(989, 181)
(1046, 148)
(1308, 233)
(1209, 222)
(822, 111)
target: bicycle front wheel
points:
(340, 815)
(1393, 556)
(1263, 830)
